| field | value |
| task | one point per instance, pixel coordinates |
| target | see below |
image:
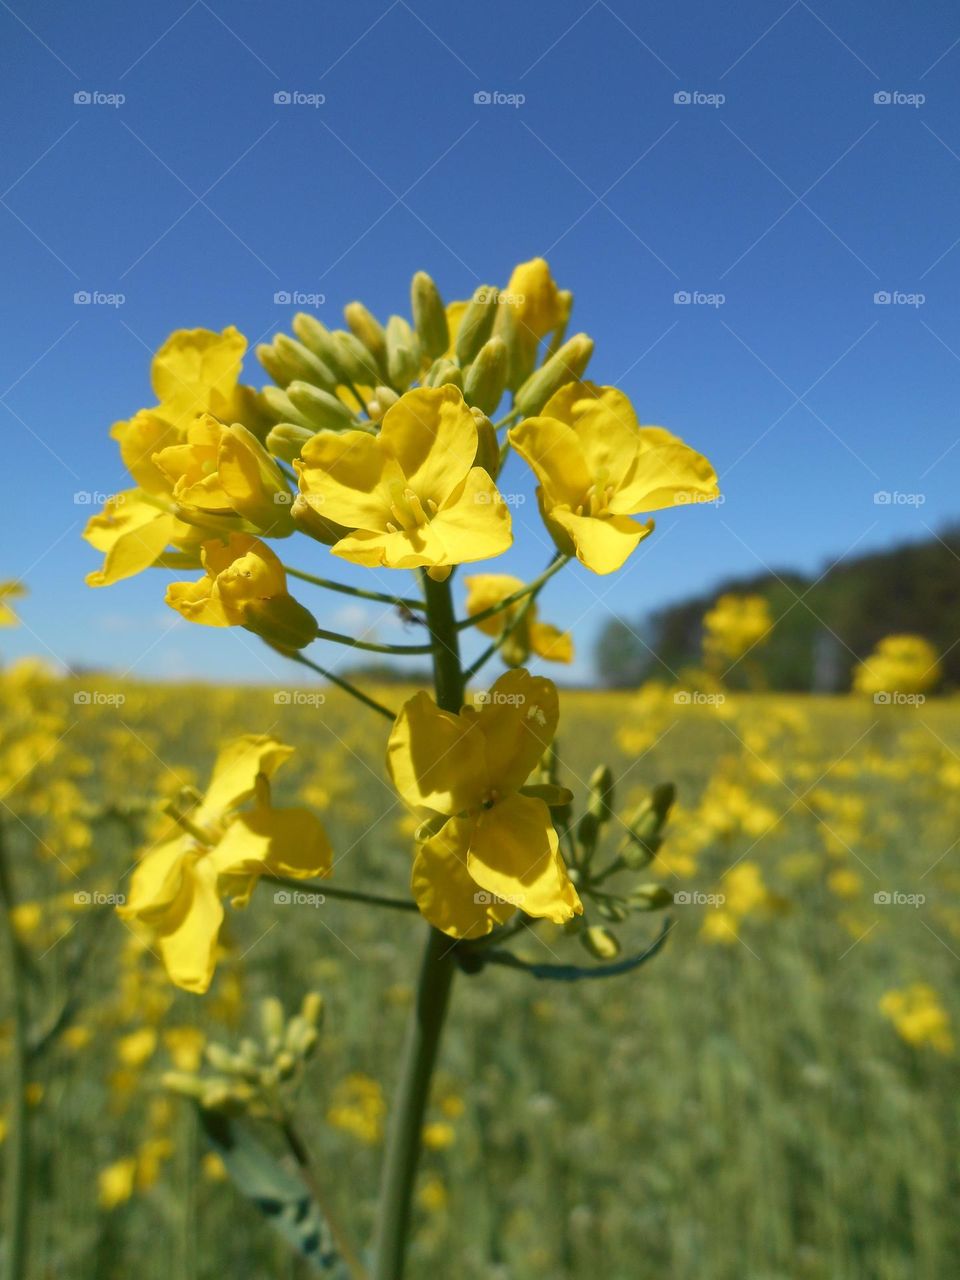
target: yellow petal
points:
(550, 643)
(197, 602)
(433, 436)
(554, 452)
(474, 524)
(145, 434)
(283, 842)
(666, 475)
(252, 481)
(196, 371)
(484, 590)
(235, 773)
(444, 890)
(342, 473)
(402, 549)
(514, 854)
(156, 881)
(518, 719)
(132, 532)
(188, 936)
(602, 543)
(436, 759)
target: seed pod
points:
(429, 315)
(323, 410)
(403, 353)
(286, 440)
(566, 365)
(365, 326)
(486, 378)
(477, 323)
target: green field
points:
(738, 1107)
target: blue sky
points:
(782, 185)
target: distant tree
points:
(621, 659)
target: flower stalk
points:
(15, 1202)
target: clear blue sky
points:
(798, 198)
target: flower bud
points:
(601, 793)
(600, 942)
(312, 1008)
(486, 378)
(278, 405)
(282, 621)
(429, 315)
(384, 398)
(645, 825)
(566, 365)
(488, 446)
(316, 337)
(403, 353)
(306, 516)
(354, 361)
(323, 410)
(444, 371)
(271, 1018)
(564, 310)
(305, 365)
(476, 324)
(365, 326)
(521, 348)
(650, 897)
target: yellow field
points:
(772, 1096)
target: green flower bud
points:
(645, 826)
(282, 621)
(278, 405)
(286, 440)
(650, 897)
(601, 793)
(566, 365)
(272, 1018)
(307, 515)
(354, 361)
(183, 1083)
(221, 1059)
(384, 398)
(615, 911)
(588, 832)
(278, 370)
(429, 315)
(324, 411)
(365, 326)
(600, 942)
(486, 379)
(477, 323)
(488, 446)
(305, 365)
(521, 347)
(565, 307)
(403, 353)
(312, 1008)
(444, 371)
(316, 337)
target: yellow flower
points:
(532, 293)
(245, 586)
(903, 664)
(597, 467)
(529, 635)
(497, 851)
(137, 1048)
(919, 1017)
(115, 1183)
(10, 591)
(735, 624)
(194, 372)
(438, 1135)
(177, 887)
(358, 1108)
(411, 495)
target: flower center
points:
(406, 508)
(598, 497)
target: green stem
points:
(531, 589)
(15, 1202)
(401, 602)
(346, 895)
(402, 650)
(432, 997)
(345, 685)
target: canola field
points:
(772, 1096)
